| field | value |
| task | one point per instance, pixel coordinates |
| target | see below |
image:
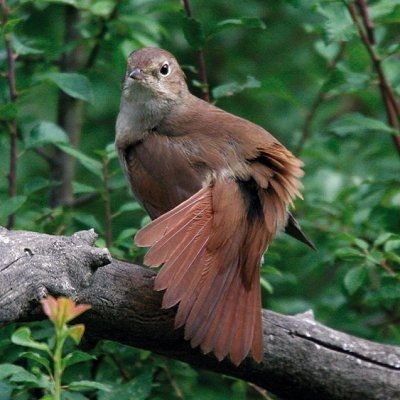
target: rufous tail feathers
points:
(201, 249)
(211, 246)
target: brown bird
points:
(218, 187)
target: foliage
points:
(298, 68)
(47, 363)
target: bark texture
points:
(302, 358)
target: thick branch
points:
(302, 358)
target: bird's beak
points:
(136, 74)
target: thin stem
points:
(263, 392)
(58, 365)
(107, 204)
(369, 25)
(173, 382)
(391, 106)
(11, 56)
(318, 100)
(201, 64)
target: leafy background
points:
(299, 68)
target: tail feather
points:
(172, 239)
(206, 307)
(153, 232)
(202, 248)
(211, 246)
(178, 260)
(176, 290)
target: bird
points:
(218, 189)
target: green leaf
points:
(7, 370)
(43, 133)
(80, 188)
(88, 386)
(5, 391)
(327, 50)
(8, 112)
(37, 358)
(101, 8)
(354, 279)
(89, 220)
(66, 395)
(24, 47)
(76, 332)
(339, 26)
(392, 245)
(10, 25)
(266, 285)
(138, 388)
(36, 184)
(362, 244)
(348, 253)
(47, 397)
(11, 206)
(89, 163)
(194, 33)
(388, 292)
(25, 377)
(23, 337)
(229, 89)
(74, 3)
(245, 22)
(353, 123)
(75, 358)
(126, 234)
(73, 84)
(128, 207)
(382, 238)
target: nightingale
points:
(218, 188)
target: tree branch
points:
(12, 173)
(302, 358)
(70, 114)
(366, 32)
(201, 64)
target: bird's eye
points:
(165, 70)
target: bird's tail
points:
(211, 257)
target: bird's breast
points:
(160, 174)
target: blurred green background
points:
(298, 68)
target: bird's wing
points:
(211, 246)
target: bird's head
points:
(153, 73)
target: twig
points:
(318, 100)
(201, 64)
(100, 36)
(369, 25)
(173, 382)
(11, 56)
(124, 373)
(392, 108)
(263, 392)
(80, 201)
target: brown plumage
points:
(219, 187)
